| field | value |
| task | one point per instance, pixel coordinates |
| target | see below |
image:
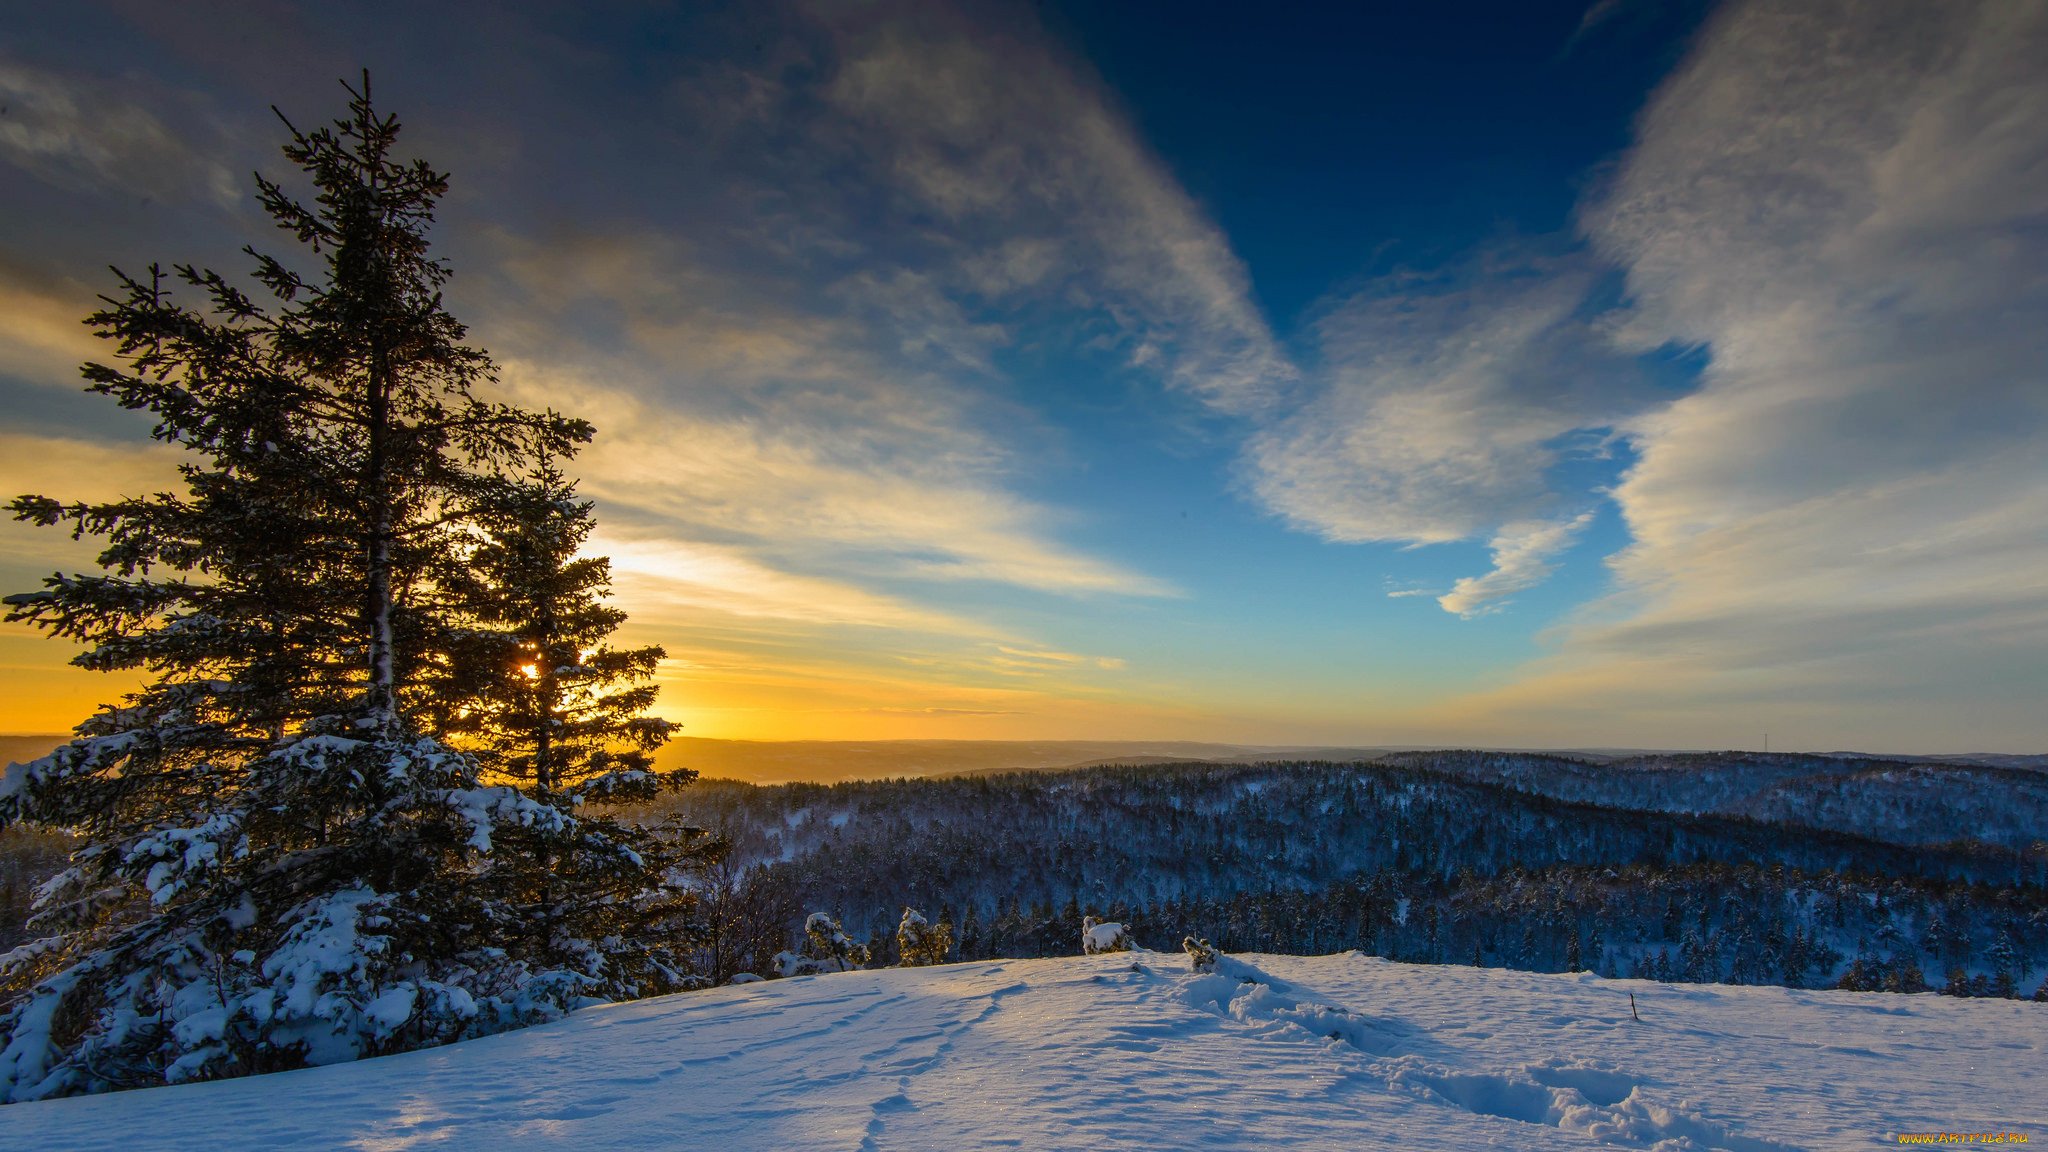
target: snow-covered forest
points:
(1459, 858)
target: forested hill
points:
(1395, 860)
(1222, 828)
(1900, 801)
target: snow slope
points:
(1091, 1052)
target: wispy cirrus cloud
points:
(1044, 660)
(1844, 506)
(791, 326)
(905, 194)
(1048, 195)
(897, 492)
(1442, 406)
(1445, 399)
(670, 580)
(1846, 207)
(84, 132)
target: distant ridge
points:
(832, 761)
(829, 761)
(18, 746)
(2037, 763)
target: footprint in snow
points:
(1605, 1087)
(1599, 1102)
(1603, 1104)
(1237, 991)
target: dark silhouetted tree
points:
(541, 699)
(280, 862)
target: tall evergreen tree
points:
(551, 704)
(281, 864)
(541, 700)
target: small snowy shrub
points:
(826, 948)
(920, 944)
(1201, 957)
(1104, 937)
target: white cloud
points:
(1444, 403)
(860, 489)
(904, 196)
(1845, 208)
(1846, 205)
(793, 326)
(668, 580)
(1522, 555)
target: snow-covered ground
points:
(1131, 1050)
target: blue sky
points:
(1612, 373)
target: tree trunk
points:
(383, 689)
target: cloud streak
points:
(1024, 156)
(42, 337)
(792, 328)
(905, 195)
(1523, 554)
(79, 133)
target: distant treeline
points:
(1897, 801)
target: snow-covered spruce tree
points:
(280, 864)
(540, 700)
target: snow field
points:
(1129, 1051)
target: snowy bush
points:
(1201, 957)
(1104, 937)
(826, 948)
(920, 944)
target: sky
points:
(1603, 373)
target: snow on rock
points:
(1104, 937)
(1131, 1051)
